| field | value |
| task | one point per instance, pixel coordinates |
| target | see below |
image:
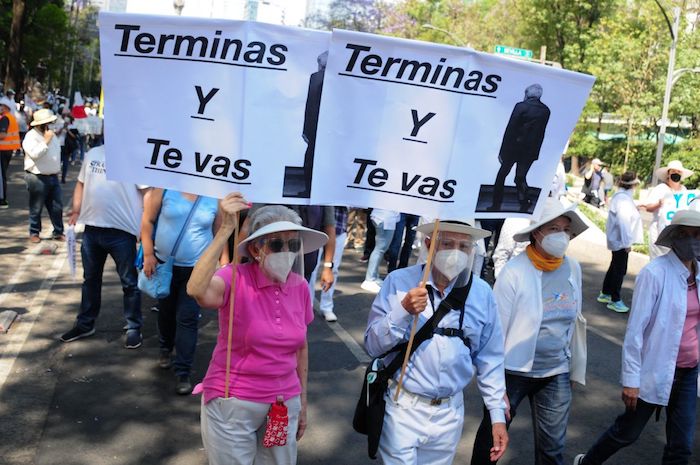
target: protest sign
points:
(440, 131)
(211, 106)
(675, 201)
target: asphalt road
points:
(94, 402)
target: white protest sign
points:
(420, 128)
(674, 202)
(211, 106)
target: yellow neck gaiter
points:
(542, 263)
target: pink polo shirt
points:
(269, 327)
(689, 352)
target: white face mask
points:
(556, 244)
(278, 265)
(451, 262)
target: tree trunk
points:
(13, 72)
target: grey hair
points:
(271, 214)
(534, 90)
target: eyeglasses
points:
(276, 244)
(464, 246)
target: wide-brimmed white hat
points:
(662, 173)
(8, 103)
(553, 209)
(680, 218)
(310, 238)
(43, 116)
(463, 226)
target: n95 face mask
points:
(278, 265)
(451, 262)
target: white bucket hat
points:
(463, 226)
(43, 116)
(662, 173)
(310, 238)
(681, 218)
(553, 209)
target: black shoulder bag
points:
(369, 412)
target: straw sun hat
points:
(311, 239)
(553, 209)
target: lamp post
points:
(669, 85)
(455, 39)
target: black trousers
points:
(523, 166)
(616, 274)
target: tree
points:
(13, 73)
(354, 15)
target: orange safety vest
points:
(11, 140)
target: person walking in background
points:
(592, 181)
(660, 353)
(670, 178)
(622, 229)
(384, 222)
(401, 245)
(111, 212)
(9, 142)
(326, 302)
(538, 296)
(42, 163)
(178, 316)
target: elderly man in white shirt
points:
(623, 228)
(661, 350)
(42, 163)
(424, 425)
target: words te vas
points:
(425, 72)
(217, 47)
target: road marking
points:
(349, 341)
(24, 326)
(605, 336)
(7, 289)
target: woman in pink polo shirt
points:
(269, 354)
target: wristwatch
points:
(328, 264)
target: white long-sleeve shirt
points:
(442, 366)
(40, 157)
(655, 327)
(624, 225)
(518, 292)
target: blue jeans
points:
(121, 246)
(44, 190)
(680, 424)
(397, 253)
(550, 401)
(178, 321)
(382, 240)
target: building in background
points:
(288, 12)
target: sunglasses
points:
(276, 244)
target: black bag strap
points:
(454, 300)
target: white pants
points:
(233, 430)
(326, 304)
(415, 433)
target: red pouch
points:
(277, 425)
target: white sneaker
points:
(330, 316)
(578, 459)
(371, 286)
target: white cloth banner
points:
(420, 128)
(210, 106)
(674, 202)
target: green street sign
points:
(512, 51)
